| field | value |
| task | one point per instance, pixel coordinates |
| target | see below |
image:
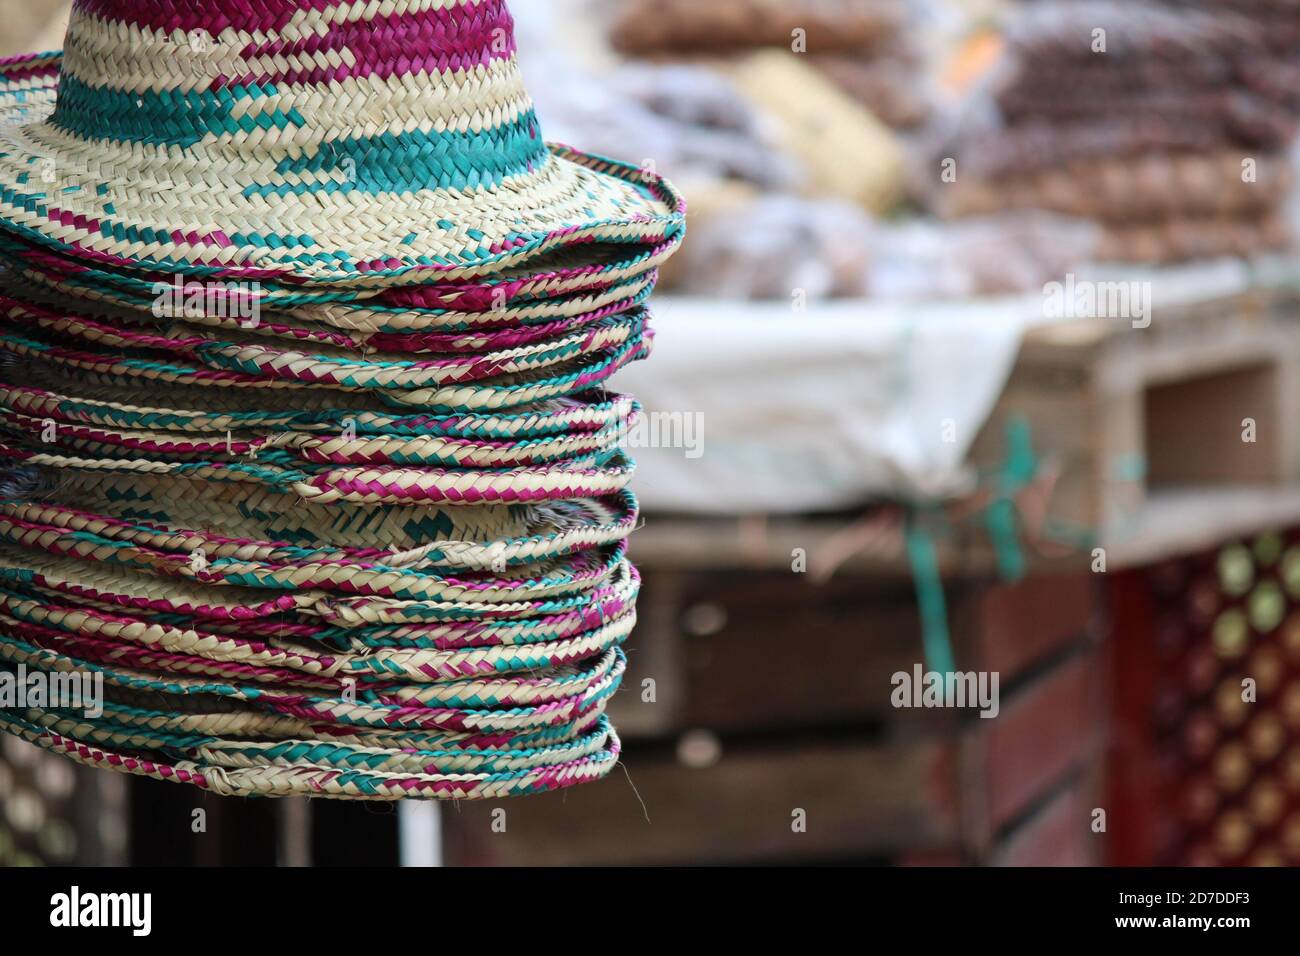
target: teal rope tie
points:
(1001, 520)
(935, 637)
(1017, 470)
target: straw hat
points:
(371, 544)
(349, 142)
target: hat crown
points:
(396, 95)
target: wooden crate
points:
(816, 654)
(1058, 833)
(1145, 425)
(772, 697)
(861, 799)
(819, 654)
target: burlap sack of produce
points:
(849, 154)
(1143, 188)
(1183, 239)
(892, 88)
(678, 26)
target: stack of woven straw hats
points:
(306, 446)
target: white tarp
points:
(823, 409)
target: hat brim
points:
(316, 363)
(202, 211)
(349, 777)
(582, 280)
(112, 367)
